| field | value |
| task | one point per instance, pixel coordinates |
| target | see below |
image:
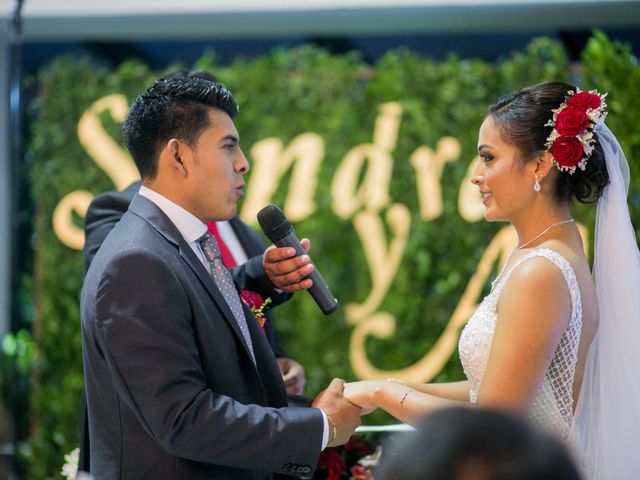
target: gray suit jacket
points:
(107, 208)
(172, 391)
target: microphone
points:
(278, 229)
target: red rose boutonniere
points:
(256, 304)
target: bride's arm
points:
(451, 390)
(534, 310)
(406, 402)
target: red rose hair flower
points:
(585, 100)
(571, 121)
(567, 151)
(571, 140)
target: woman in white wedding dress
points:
(538, 342)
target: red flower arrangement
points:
(359, 472)
(571, 140)
(333, 463)
(355, 460)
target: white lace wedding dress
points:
(552, 408)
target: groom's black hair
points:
(176, 106)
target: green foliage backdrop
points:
(284, 94)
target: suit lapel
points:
(250, 242)
(149, 211)
(266, 364)
(253, 245)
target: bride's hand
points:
(360, 394)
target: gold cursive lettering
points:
(428, 166)
(64, 227)
(382, 325)
(373, 193)
(383, 262)
(271, 161)
(104, 150)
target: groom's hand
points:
(341, 413)
(359, 393)
(286, 270)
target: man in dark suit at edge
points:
(179, 384)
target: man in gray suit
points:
(181, 382)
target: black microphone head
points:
(273, 223)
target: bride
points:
(548, 341)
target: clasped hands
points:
(342, 415)
(344, 403)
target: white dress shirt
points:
(189, 226)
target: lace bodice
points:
(553, 404)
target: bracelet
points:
(404, 396)
(333, 432)
(397, 380)
(404, 384)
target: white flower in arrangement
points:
(372, 460)
(70, 467)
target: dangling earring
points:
(536, 186)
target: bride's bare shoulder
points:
(535, 293)
(535, 274)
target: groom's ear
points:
(175, 156)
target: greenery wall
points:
(284, 94)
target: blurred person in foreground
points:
(458, 443)
(550, 340)
(181, 382)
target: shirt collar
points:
(189, 226)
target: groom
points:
(181, 382)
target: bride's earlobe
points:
(544, 164)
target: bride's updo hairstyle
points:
(523, 118)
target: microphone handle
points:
(319, 290)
